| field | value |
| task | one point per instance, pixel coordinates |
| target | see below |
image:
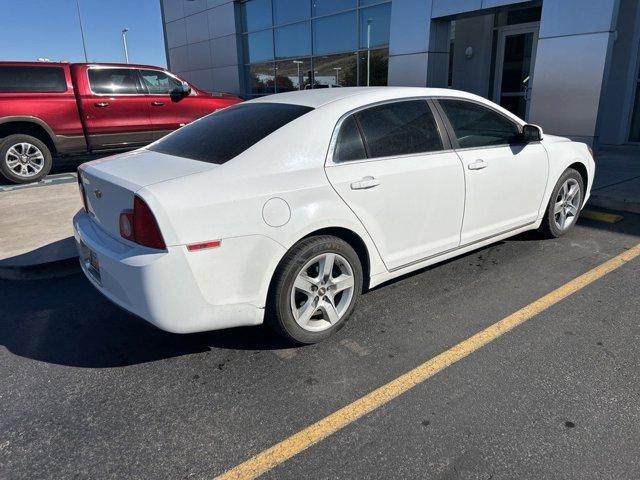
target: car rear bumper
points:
(159, 287)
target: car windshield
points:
(219, 137)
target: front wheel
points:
(24, 159)
(564, 205)
(315, 289)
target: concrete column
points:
(418, 46)
(572, 66)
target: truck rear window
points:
(219, 137)
(32, 80)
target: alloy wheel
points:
(322, 292)
(24, 159)
(567, 204)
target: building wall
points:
(201, 40)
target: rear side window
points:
(114, 81)
(32, 80)
(399, 128)
(349, 145)
(478, 126)
(219, 137)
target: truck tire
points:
(24, 159)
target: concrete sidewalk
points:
(617, 182)
(35, 225)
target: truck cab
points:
(49, 109)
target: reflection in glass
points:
(293, 40)
(374, 26)
(335, 71)
(337, 33)
(287, 11)
(374, 67)
(293, 75)
(261, 79)
(516, 72)
(325, 7)
(256, 14)
(259, 46)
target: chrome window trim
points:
(329, 162)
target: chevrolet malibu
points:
(285, 208)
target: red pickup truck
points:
(61, 108)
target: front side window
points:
(159, 83)
(221, 136)
(478, 126)
(32, 80)
(114, 81)
(399, 128)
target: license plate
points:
(90, 260)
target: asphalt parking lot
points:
(90, 392)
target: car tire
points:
(24, 159)
(322, 302)
(564, 207)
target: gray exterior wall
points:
(201, 41)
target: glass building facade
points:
(303, 44)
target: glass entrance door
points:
(514, 67)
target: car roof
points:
(318, 97)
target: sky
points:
(30, 29)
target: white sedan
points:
(285, 208)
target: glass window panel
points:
(32, 79)
(349, 145)
(118, 81)
(221, 136)
(364, 3)
(259, 46)
(287, 11)
(374, 26)
(293, 75)
(159, 83)
(335, 71)
(337, 33)
(635, 123)
(399, 128)
(325, 7)
(293, 40)
(478, 126)
(374, 68)
(517, 62)
(261, 79)
(256, 14)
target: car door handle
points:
(157, 104)
(478, 165)
(366, 182)
(101, 104)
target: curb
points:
(611, 203)
(40, 271)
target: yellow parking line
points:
(601, 216)
(281, 452)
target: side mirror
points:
(182, 91)
(531, 133)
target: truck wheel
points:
(24, 159)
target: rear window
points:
(32, 80)
(226, 134)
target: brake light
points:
(140, 226)
(84, 197)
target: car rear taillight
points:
(84, 197)
(140, 226)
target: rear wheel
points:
(564, 205)
(24, 159)
(315, 289)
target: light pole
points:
(337, 69)
(298, 63)
(84, 45)
(124, 43)
(368, 52)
